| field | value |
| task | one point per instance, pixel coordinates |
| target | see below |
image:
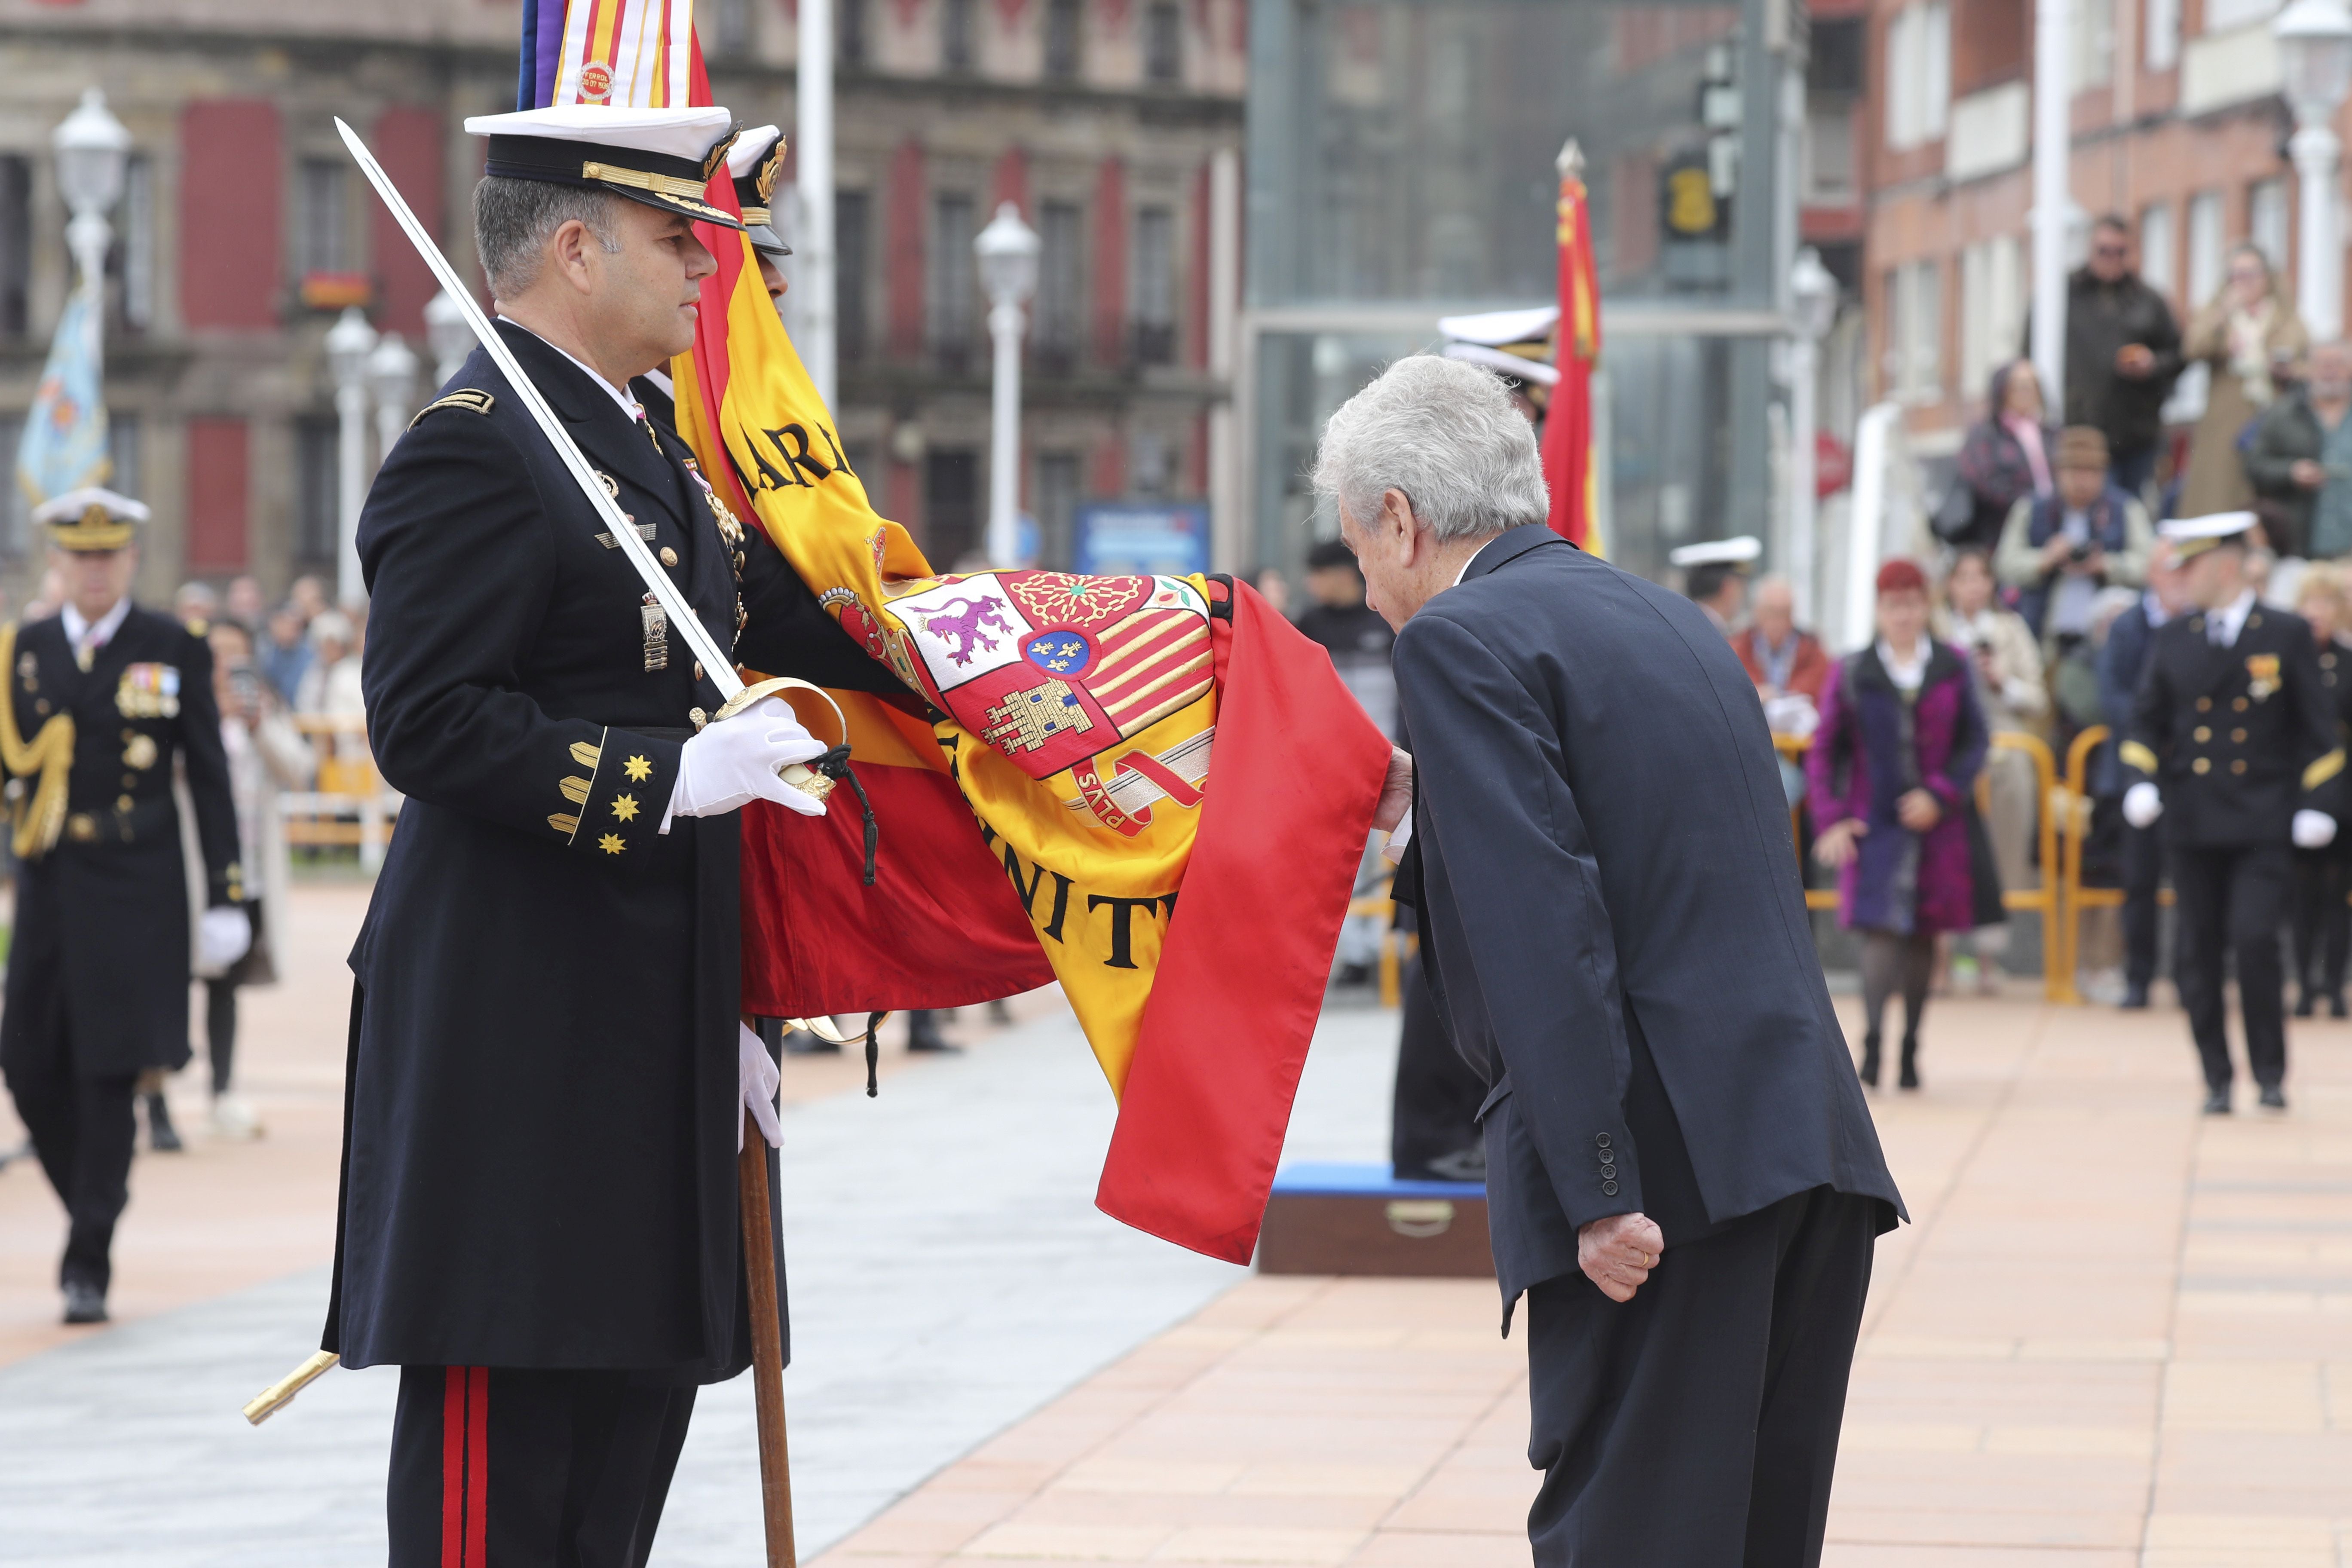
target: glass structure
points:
(1401, 168)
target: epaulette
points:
(471, 400)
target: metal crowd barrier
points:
(2050, 899)
(352, 804)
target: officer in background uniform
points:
(539, 1221)
(2233, 744)
(755, 163)
(103, 697)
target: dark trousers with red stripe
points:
(530, 1469)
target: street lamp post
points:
(350, 342)
(92, 148)
(1007, 249)
(1813, 307)
(2315, 45)
(392, 382)
(447, 335)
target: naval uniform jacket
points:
(1612, 924)
(2237, 739)
(542, 1102)
(101, 946)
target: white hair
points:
(1446, 435)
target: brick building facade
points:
(244, 230)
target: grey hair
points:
(1444, 433)
(514, 219)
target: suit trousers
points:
(530, 1469)
(83, 1130)
(1696, 1425)
(2143, 873)
(2230, 902)
(2322, 920)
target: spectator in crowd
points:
(1275, 589)
(331, 687)
(2006, 458)
(286, 654)
(1780, 657)
(266, 755)
(2122, 661)
(308, 597)
(245, 604)
(2250, 338)
(2007, 665)
(196, 606)
(1349, 630)
(2060, 550)
(2323, 876)
(1892, 769)
(2123, 354)
(2300, 461)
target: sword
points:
(721, 665)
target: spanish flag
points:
(1151, 789)
(1568, 456)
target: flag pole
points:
(767, 1348)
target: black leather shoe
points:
(1869, 1068)
(2307, 1003)
(2135, 997)
(2217, 1102)
(2274, 1097)
(162, 1136)
(85, 1303)
(923, 1034)
(1907, 1076)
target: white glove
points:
(734, 762)
(222, 936)
(2313, 829)
(2142, 805)
(755, 1070)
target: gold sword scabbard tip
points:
(270, 1400)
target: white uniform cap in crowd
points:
(662, 157)
(2192, 535)
(756, 163)
(91, 518)
(1515, 343)
(1738, 552)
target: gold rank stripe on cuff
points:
(576, 789)
(2325, 768)
(2133, 754)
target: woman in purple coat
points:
(1900, 742)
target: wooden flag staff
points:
(767, 1348)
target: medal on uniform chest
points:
(657, 628)
(2261, 675)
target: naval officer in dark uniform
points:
(102, 698)
(548, 1077)
(2234, 745)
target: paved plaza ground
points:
(2116, 1333)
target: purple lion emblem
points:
(966, 627)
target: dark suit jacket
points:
(1610, 901)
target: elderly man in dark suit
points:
(1681, 1176)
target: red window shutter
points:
(407, 142)
(232, 206)
(904, 271)
(1110, 265)
(219, 492)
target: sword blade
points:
(718, 665)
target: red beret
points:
(1902, 576)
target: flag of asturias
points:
(1047, 801)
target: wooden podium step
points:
(1359, 1219)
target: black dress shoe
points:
(1868, 1071)
(1907, 1076)
(2307, 1003)
(85, 1303)
(162, 1136)
(2274, 1097)
(2217, 1102)
(923, 1033)
(2135, 996)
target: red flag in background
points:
(1568, 426)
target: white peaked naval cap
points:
(1738, 552)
